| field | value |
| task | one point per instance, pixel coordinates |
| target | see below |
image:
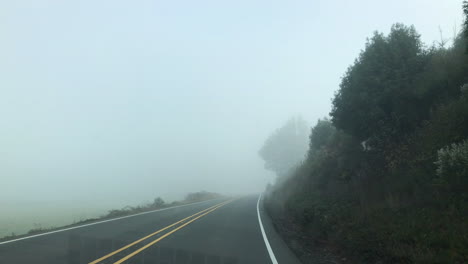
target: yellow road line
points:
(152, 234)
(165, 235)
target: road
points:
(222, 231)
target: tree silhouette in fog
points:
(285, 147)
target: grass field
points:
(19, 219)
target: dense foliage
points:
(386, 180)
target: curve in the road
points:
(265, 238)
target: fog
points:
(111, 103)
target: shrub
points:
(158, 202)
(452, 166)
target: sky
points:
(108, 103)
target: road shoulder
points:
(282, 252)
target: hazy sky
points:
(116, 102)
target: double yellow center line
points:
(187, 221)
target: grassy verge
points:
(157, 204)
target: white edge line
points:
(267, 244)
(99, 222)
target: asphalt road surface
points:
(222, 231)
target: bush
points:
(158, 202)
(201, 196)
(452, 166)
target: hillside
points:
(385, 179)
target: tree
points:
(320, 135)
(285, 147)
(465, 24)
(376, 98)
(465, 11)
(158, 202)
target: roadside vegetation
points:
(385, 179)
(158, 203)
